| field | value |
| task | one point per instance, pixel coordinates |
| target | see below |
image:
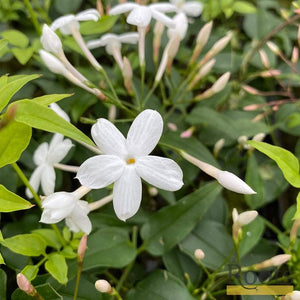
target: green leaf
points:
(108, 247)
(56, 265)
(297, 214)
(213, 238)
(48, 99)
(104, 24)
(49, 236)
(253, 179)
(2, 262)
(14, 138)
(3, 282)
(11, 202)
(244, 7)
(45, 290)
(42, 117)
(3, 80)
(3, 44)
(160, 285)
(15, 37)
(286, 161)
(23, 55)
(25, 244)
(252, 234)
(30, 272)
(8, 90)
(68, 252)
(173, 223)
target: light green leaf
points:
(104, 24)
(49, 236)
(15, 37)
(25, 244)
(3, 44)
(244, 7)
(1, 260)
(48, 99)
(286, 161)
(42, 117)
(297, 214)
(23, 55)
(108, 247)
(160, 285)
(3, 80)
(56, 265)
(8, 90)
(173, 223)
(30, 272)
(11, 202)
(68, 252)
(14, 138)
(3, 282)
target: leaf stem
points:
(33, 17)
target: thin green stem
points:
(271, 226)
(42, 261)
(110, 84)
(150, 94)
(33, 17)
(36, 198)
(79, 270)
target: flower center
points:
(130, 161)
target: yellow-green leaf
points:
(48, 99)
(286, 161)
(11, 202)
(57, 267)
(15, 37)
(23, 55)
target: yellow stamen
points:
(130, 161)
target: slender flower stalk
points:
(72, 169)
(226, 179)
(97, 204)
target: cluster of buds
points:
(242, 141)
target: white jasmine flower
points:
(141, 15)
(244, 218)
(67, 23)
(113, 42)
(50, 41)
(63, 205)
(190, 8)
(45, 156)
(126, 161)
(295, 295)
(181, 26)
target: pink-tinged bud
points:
(25, 285)
(264, 59)
(199, 254)
(294, 230)
(273, 47)
(103, 286)
(220, 84)
(202, 72)
(251, 90)
(172, 51)
(273, 262)
(172, 126)
(127, 75)
(295, 55)
(270, 73)
(108, 9)
(100, 7)
(251, 107)
(201, 41)
(112, 113)
(218, 146)
(187, 133)
(295, 295)
(158, 31)
(82, 248)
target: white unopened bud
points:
(295, 295)
(251, 90)
(52, 63)
(199, 254)
(158, 31)
(270, 73)
(273, 262)
(264, 59)
(233, 183)
(295, 55)
(259, 137)
(127, 75)
(246, 217)
(50, 40)
(218, 146)
(103, 286)
(220, 84)
(153, 191)
(273, 47)
(242, 141)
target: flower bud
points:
(52, 63)
(246, 217)
(25, 285)
(218, 146)
(242, 141)
(294, 230)
(158, 31)
(50, 40)
(270, 73)
(220, 84)
(295, 295)
(82, 248)
(172, 126)
(233, 183)
(112, 112)
(273, 47)
(264, 59)
(153, 191)
(187, 133)
(295, 55)
(199, 254)
(251, 90)
(259, 137)
(100, 7)
(127, 75)
(273, 262)
(103, 286)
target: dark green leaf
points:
(3, 279)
